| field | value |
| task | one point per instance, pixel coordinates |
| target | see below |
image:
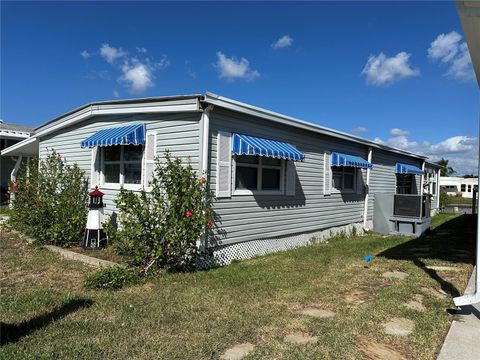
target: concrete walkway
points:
(463, 338)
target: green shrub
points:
(111, 278)
(50, 201)
(444, 198)
(160, 229)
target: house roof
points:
(194, 102)
(133, 101)
(15, 128)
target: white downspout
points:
(475, 297)
(367, 191)
(205, 138)
(202, 243)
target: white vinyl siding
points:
(177, 132)
(258, 216)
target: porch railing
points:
(411, 205)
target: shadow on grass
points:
(452, 241)
(11, 333)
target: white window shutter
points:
(359, 173)
(291, 178)
(150, 154)
(95, 167)
(327, 174)
(224, 165)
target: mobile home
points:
(279, 182)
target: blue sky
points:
(321, 62)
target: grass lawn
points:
(458, 200)
(48, 314)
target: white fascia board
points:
(301, 124)
(117, 109)
(16, 148)
(12, 134)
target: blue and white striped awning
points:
(408, 169)
(252, 145)
(125, 135)
(339, 159)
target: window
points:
(343, 178)
(463, 187)
(405, 183)
(122, 164)
(256, 173)
(434, 188)
(469, 188)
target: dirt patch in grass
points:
(104, 254)
(358, 297)
(374, 350)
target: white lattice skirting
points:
(224, 255)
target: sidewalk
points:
(463, 338)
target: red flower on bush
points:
(203, 180)
(14, 186)
(188, 213)
(58, 158)
(210, 223)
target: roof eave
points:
(119, 102)
(291, 121)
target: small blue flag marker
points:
(368, 258)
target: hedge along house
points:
(278, 181)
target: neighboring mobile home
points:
(454, 186)
(279, 181)
(10, 134)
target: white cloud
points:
(398, 132)
(110, 54)
(359, 130)
(461, 150)
(136, 73)
(383, 70)
(233, 68)
(461, 67)
(283, 42)
(162, 64)
(445, 46)
(85, 54)
(137, 76)
(449, 49)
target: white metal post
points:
(475, 297)
(367, 190)
(13, 178)
(422, 179)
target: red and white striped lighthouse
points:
(94, 234)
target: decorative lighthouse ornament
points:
(94, 235)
